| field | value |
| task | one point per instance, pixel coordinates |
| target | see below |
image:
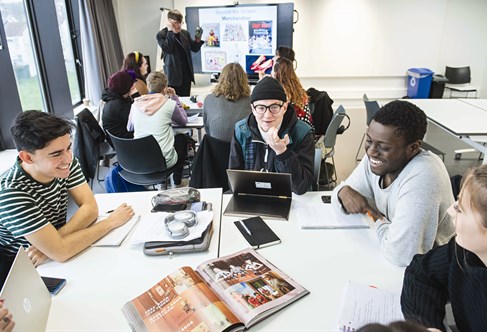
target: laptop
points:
(26, 296)
(259, 193)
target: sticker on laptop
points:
(263, 185)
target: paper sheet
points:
(362, 304)
(117, 235)
(152, 228)
(193, 118)
(314, 215)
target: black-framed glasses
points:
(261, 109)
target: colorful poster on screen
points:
(236, 32)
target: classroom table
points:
(7, 159)
(100, 280)
(480, 103)
(322, 261)
(193, 107)
(458, 118)
(196, 123)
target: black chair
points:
(316, 171)
(210, 164)
(90, 145)
(142, 160)
(459, 80)
(371, 107)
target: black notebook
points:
(257, 233)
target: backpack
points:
(114, 183)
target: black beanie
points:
(268, 88)
(121, 82)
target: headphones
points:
(342, 128)
(177, 224)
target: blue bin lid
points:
(420, 72)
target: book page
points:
(321, 215)
(250, 285)
(363, 304)
(179, 302)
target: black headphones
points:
(342, 128)
(177, 224)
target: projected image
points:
(234, 32)
(211, 34)
(214, 60)
(260, 37)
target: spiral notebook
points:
(257, 233)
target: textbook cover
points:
(230, 293)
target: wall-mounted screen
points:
(247, 34)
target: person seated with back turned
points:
(154, 113)
(228, 103)
(273, 139)
(404, 189)
(34, 195)
(117, 104)
(455, 272)
(136, 62)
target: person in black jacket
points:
(177, 44)
(457, 271)
(117, 104)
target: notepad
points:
(257, 233)
(319, 215)
(117, 235)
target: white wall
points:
(355, 46)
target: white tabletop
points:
(193, 107)
(480, 103)
(7, 159)
(321, 261)
(101, 280)
(460, 118)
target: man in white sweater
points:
(404, 189)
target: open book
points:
(223, 294)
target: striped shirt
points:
(27, 205)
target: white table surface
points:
(321, 261)
(101, 280)
(7, 159)
(193, 107)
(480, 103)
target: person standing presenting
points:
(177, 44)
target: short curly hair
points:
(409, 120)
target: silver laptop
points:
(26, 296)
(259, 193)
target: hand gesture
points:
(121, 215)
(275, 142)
(6, 322)
(36, 256)
(354, 202)
(169, 91)
(169, 25)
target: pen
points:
(245, 227)
(370, 216)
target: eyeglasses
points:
(274, 108)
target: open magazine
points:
(223, 294)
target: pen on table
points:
(245, 227)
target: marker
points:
(370, 216)
(245, 227)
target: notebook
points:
(259, 193)
(257, 233)
(26, 296)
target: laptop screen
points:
(260, 183)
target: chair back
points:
(334, 127)
(371, 107)
(139, 155)
(316, 170)
(459, 75)
(365, 98)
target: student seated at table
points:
(34, 195)
(405, 189)
(154, 113)
(455, 272)
(117, 104)
(136, 62)
(400, 326)
(228, 103)
(273, 139)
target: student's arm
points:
(179, 116)
(49, 241)
(425, 288)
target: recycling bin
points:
(419, 82)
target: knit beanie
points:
(268, 88)
(121, 82)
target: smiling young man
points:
(273, 139)
(405, 189)
(34, 195)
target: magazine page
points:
(180, 302)
(250, 285)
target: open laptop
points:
(259, 193)
(26, 296)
